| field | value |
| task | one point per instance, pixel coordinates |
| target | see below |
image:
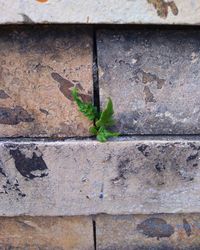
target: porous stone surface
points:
(128, 176)
(39, 65)
(148, 232)
(152, 76)
(95, 11)
(47, 233)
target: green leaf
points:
(104, 134)
(93, 130)
(88, 109)
(101, 138)
(106, 118)
(100, 124)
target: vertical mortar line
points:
(94, 232)
(95, 71)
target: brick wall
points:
(59, 187)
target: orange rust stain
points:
(42, 1)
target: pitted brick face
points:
(46, 233)
(148, 232)
(122, 176)
(153, 79)
(38, 69)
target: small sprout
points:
(102, 120)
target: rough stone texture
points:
(38, 68)
(148, 232)
(153, 79)
(95, 11)
(46, 233)
(88, 177)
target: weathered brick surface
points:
(38, 68)
(94, 11)
(88, 177)
(148, 232)
(152, 76)
(46, 233)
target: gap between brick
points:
(94, 233)
(95, 73)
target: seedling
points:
(102, 120)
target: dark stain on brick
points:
(30, 168)
(2, 172)
(123, 169)
(63, 82)
(173, 7)
(85, 98)
(194, 146)
(144, 149)
(44, 111)
(3, 94)
(162, 7)
(187, 227)
(159, 167)
(155, 227)
(78, 86)
(149, 97)
(27, 19)
(66, 85)
(13, 116)
(9, 185)
(192, 157)
(149, 78)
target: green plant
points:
(102, 120)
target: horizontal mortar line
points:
(82, 138)
(94, 216)
(77, 140)
(125, 214)
(160, 135)
(46, 138)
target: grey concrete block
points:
(88, 177)
(152, 76)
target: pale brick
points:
(87, 177)
(148, 232)
(38, 68)
(152, 76)
(46, 233)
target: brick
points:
(148, 232)
(128, 176)
(93, 11)
(38, 68)
(153, 79)
(46, 233)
